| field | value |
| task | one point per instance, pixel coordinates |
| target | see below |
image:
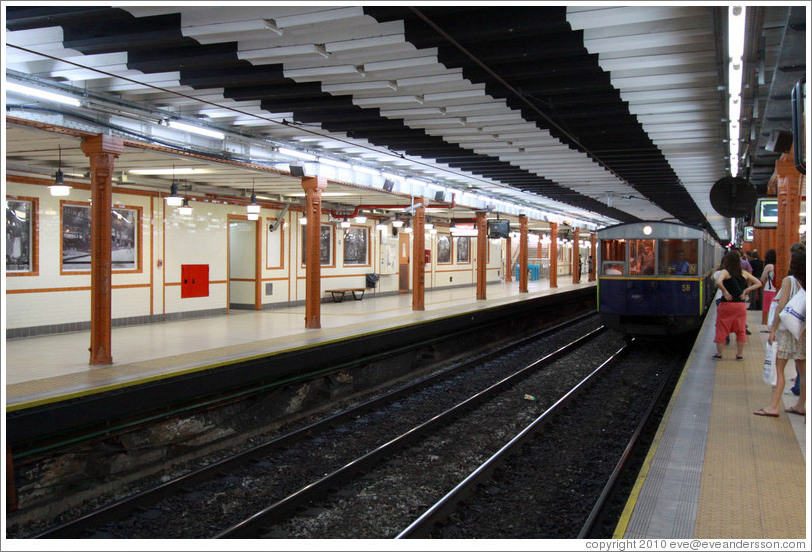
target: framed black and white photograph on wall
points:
(76, 238)
(20, 236)
(443, 248)
(463, 249)
(326, 245)
(356, 246)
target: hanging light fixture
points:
(397, 223)
(185, 209)
(303, 221)
(59, 188)
(345, 223)
(360, 219)
(253, 208)
(380, 226)
(173, 199)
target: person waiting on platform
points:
(679, 265)
(645, 261)
(787, 346)
(731, 313)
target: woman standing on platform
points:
(731, 313)
(788, 347)
(767, 279)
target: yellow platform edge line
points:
(631, 502)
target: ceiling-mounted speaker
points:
(733, 196)
(780, 141)
(296, 170)
(388, 185)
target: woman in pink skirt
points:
(731, 313)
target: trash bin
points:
(372, 279)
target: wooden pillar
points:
(789, 206)
(523, 254)
(419, 256)
(508, 254)
(102, 150)
(576, 256)
(313, 187)
(553, 253)
(481, 254)
(593, 242)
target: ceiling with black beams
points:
(614, 113)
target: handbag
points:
(769, 375)
(773, 308)
(793, 316)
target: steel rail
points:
(422, 526)
(83, 525)
(253, 527)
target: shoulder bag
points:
(793, 316)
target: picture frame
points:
(75, 235)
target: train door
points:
(403, 262)
(242, 242)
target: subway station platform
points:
(716, 471)
(48, 368)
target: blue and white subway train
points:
(655, 278)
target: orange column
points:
(508, 268)
(789, 206)
(102, 150)
(419, 256)
(593, 241)
(481, 254)
(576, 256)
(313, 187)
(553, 252)
(523, 254)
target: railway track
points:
(315, 434)
(423, 436)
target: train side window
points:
(613, 257)
(678, 257)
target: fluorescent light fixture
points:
(366, 170)
(197, 130)
(182, 170)
(42, 94)
(334, 163)
(298, 154)
(736, 36)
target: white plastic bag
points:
(793, 317)
(769, 375)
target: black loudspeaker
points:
(296, 170)
(780, 141)
(388, 185)
(439, 196)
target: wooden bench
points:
(338, 294)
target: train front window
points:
(641, 257)
(678, 257)
(613, 257)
